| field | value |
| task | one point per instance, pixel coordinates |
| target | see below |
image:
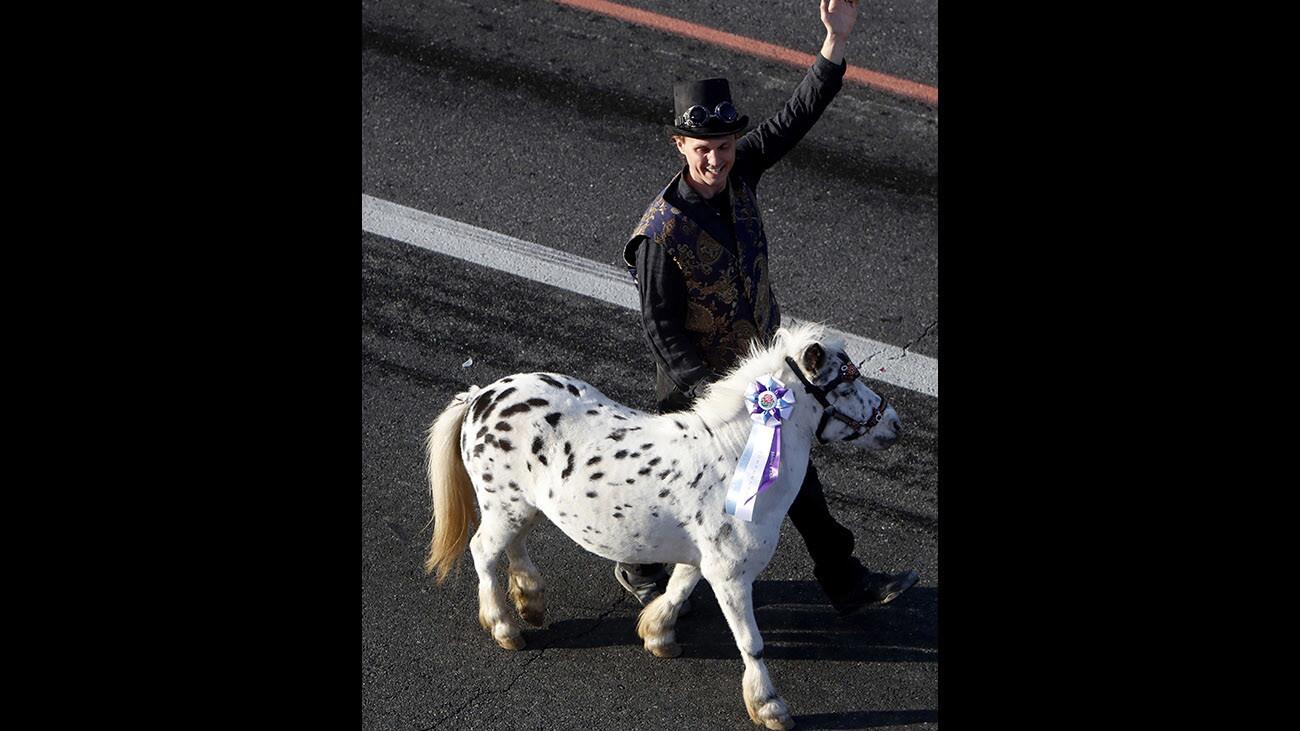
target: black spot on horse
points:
(513, 485)
(516, 409)
(537, 402)
(502, 426)
(487, 477)
(507, 380)
(630, 481)
(553, 418)
(593, 461)
(664, 493)
(697, 478)
(504, 445)
(592, 412)
(618, 515)
(635, 454)
(568, 469)
(644, 471)
(572, 389)
(505, 393)
(568, 448)
(617, 435)
(481, 402)
(549, 381)
(647, 445)
(663, 474)
(591, 493)
(489, 439)
(654, 461)
(478, 449)
(699, 518)
(537, 444)
(620, 454)
(597, 475)
(481, 431)
(620, 418)
(679, 425)
(541, 458)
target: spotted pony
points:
(637, 487)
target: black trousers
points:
(829, 544)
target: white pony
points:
(636, 487)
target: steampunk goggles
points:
(698, 116)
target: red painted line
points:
(781, 54)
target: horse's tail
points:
(454, 512)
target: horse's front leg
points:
(735, 597)
(657, 625)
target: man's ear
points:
(812, 360)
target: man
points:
(699, 255)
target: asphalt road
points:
(545, 123)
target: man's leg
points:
(848, 584)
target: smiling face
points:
(708, 162)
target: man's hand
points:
(838, 16)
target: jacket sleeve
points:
(767, 143)
(663, 314)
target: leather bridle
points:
(848, 372)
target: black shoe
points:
(646, 589)
(873, 589)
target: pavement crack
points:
(536, 655)
(914, 341)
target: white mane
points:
(721, 399)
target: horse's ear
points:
(813, 358)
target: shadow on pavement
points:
(795, 623)
(865, 719)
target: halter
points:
(848, 372)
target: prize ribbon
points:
(769, 403)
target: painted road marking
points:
(781, 54)
(886, 363)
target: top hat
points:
(704, 109)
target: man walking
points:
(699, 255)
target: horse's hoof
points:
(664, 649)
(773, 715)
(512, 643)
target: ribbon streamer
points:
(770, 403)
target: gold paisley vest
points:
(730, 295)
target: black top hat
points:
(704, 109)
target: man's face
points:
(708, 160)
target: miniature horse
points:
(640, 488)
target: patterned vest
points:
(730, 296)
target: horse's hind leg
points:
(659, 618)
(735, 597)
(526, 585)
(488, 546)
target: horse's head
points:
(849, 410)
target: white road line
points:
(885, 362)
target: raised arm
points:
(767, 143)
(839, 17)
